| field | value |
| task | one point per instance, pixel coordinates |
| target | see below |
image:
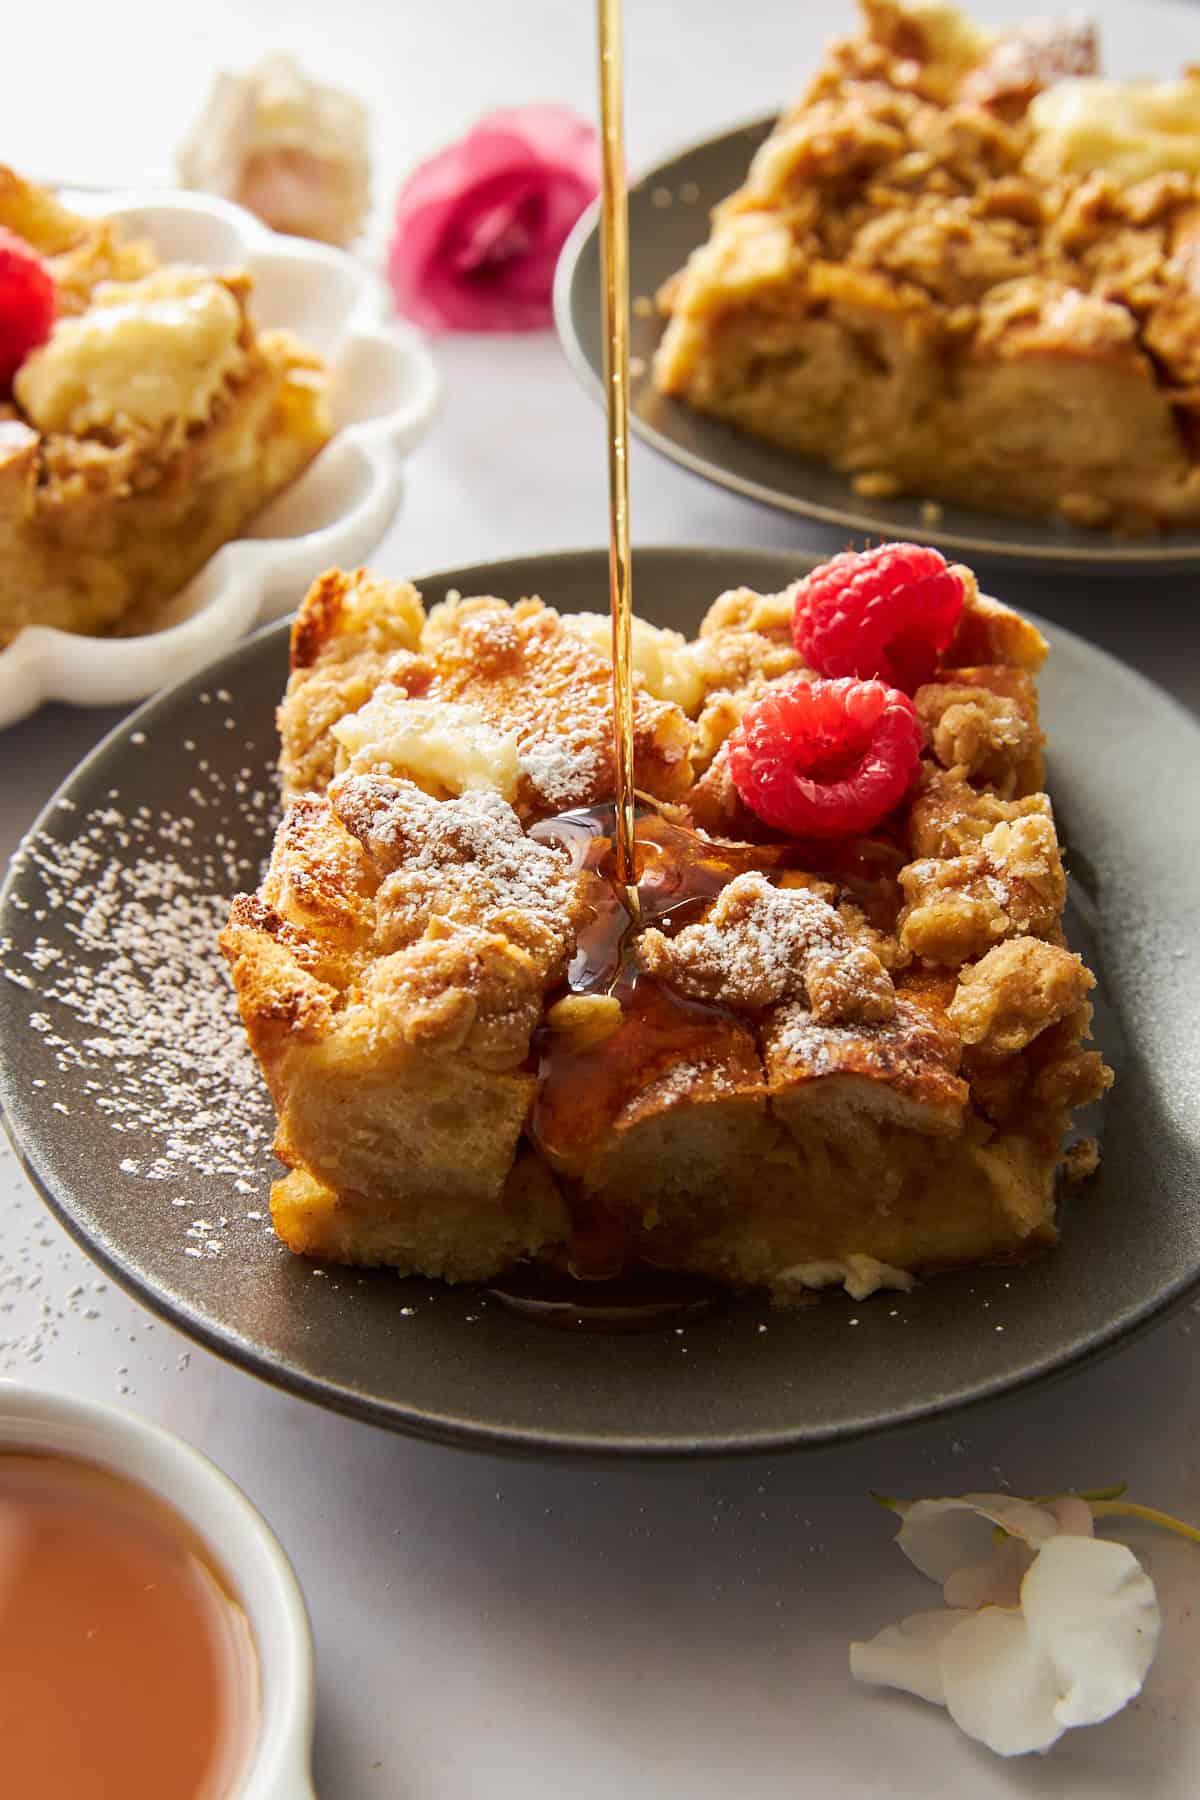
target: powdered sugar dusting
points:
(754, 945)
(762, 944)
(564, 773)
(449, 855)
(686, 1079)
(910, 1046)
(129, 992)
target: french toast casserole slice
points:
(796, 1065)
(152, 424)
(964, 268)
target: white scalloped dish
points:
(383, 392)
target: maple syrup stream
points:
(614, 265)
(617, 1297)
(637, 869)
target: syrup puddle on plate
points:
(640, 1299)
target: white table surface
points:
(506, 1629)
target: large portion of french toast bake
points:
(963, 267)
(149, 427)
(803, 1059)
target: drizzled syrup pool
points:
(582, 1088)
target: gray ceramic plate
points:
(668, 218)
(142, 1121)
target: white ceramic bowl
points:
(240, 1539)
(384, 394)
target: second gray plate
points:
(137, 1110)
(668, 218)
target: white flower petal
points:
(908, 1655)
(1093, 1615)
(998, 1688)
(1047, 1629)
(994, 1582)
(1073, 1514)
(943, 1536)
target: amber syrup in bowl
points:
(127, 1664)
(154, 1643)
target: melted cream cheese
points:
(860, 1275)
(150, 351)
(948, 34)
(436, 743)
(1130, 129)
(664, 659)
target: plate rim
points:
(1117, 556)
(443, 1427)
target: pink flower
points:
(479, 227)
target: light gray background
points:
(504, 1629)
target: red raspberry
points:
(27, 303)
(886, 613)
(826, 758)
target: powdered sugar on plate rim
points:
(128, 993)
